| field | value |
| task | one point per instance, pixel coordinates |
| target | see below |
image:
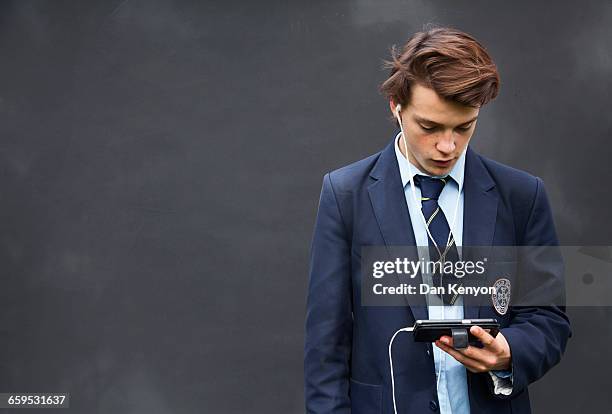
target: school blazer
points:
(346, 363)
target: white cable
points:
(412, 186)
(442, 364)
(408, 329)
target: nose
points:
(446, 143)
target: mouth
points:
(443, 163)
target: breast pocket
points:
(365, 398)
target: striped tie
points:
(438, 228)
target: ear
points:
(392, 106)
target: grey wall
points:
(160, 167)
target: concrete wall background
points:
(160, 167)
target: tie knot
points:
(430, 187)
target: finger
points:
(482, 356)
(471, 364)
(447, 340)
(484, 337)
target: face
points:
(437, 130)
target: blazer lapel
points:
(389, 204)
(479, 214)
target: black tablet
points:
(432, 329)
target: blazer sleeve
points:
(538, 335)
(329, 320)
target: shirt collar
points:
(455, 173)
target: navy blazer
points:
(346, 363)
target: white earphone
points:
(398, 108)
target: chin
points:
(434, 170)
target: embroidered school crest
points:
(501, 296)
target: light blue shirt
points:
(452, 382)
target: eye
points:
(464, 128)
(429, 129)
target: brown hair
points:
(449, 61)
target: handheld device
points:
(458, 329)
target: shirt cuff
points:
(502, 382)
(502, 373)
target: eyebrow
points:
(427, 121)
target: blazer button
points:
(433, 405)
(428, 352)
